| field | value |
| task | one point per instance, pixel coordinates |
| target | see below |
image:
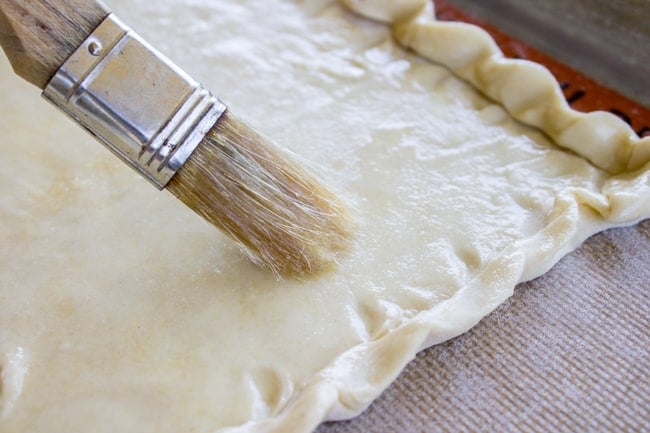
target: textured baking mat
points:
(569, 352)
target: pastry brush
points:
(174, 132)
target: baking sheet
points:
(607, 40)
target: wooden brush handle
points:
(39, 35)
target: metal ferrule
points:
(138, 103)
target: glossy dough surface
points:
(122, 311)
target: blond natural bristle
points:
(255, 193)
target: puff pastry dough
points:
(122, 311)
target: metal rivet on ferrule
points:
(95, 48)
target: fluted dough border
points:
(526, 89)
(531, 95)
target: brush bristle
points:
(280, 215)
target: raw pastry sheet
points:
(122, 329)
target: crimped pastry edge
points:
(527, 90)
